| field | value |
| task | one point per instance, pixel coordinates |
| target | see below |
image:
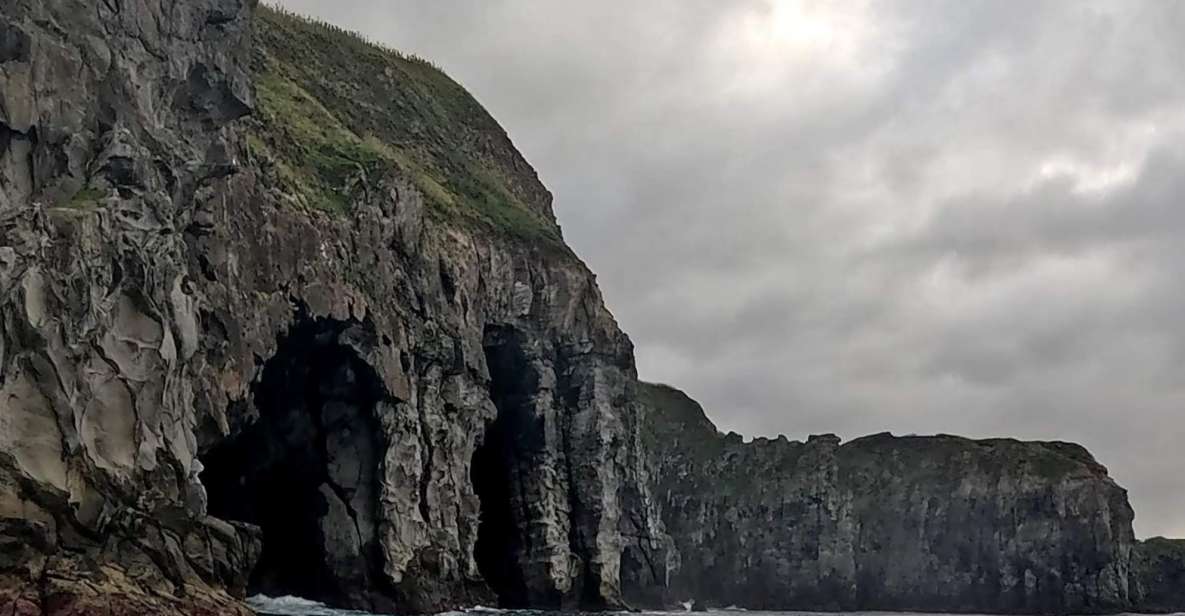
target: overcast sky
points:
(961, 217)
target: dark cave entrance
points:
(499, 469)
(304, 472)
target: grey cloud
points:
(921, 216)
(1052, 218)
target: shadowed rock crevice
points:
(497, 470)
(304, 471)
(14, 44)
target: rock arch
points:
(306, 470)
(501, 467)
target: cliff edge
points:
(938, 524)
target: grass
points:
(336, 111)
(86, 199)
(315, 155)
(1051, 465)
(676, 424)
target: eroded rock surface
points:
(165, 301)
(1159, 568)
(105, 116)
(916, 523)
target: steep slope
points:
(334, 108)
(333, 310)
(916, 523)
(1159, 568)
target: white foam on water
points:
(295, 606)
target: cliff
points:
(914, 523)
(285, 311)
(1158, 567)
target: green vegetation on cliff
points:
(335, 111)
(676, 423)
(1159, 565)
(85, 199)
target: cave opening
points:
(305, 470)
(498, 470)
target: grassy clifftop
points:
(676, 425)
(335, 109)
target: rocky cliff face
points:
(112, 118)
(916, 523)
(1159, 569)
(248, 341)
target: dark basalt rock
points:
(14, 44)
(1158, 566)
(914, 523)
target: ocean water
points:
(295, 606)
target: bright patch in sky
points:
(804, 46)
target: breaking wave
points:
(296, 606)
